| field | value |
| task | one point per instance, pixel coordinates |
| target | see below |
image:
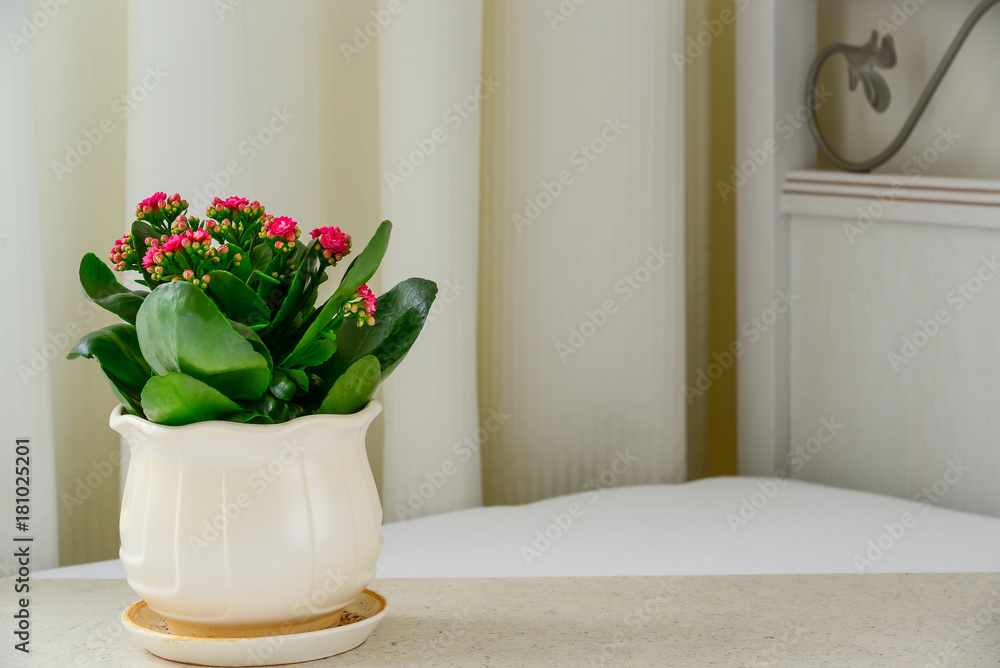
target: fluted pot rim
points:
(120, 419)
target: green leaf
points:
(282, 386)
(300, 378)
(237, 300)
(140, 232)
(181, 329)
(359, 273)
(116, 347)
(366, 264)
(253, 418)
(314, 354)
(260, 255)
(177, 399)
(354, 388)
(399, 317)
(126, 396)
(274, 409)
(304, 284)
(255, 341)
(100, 285)
(243, 271)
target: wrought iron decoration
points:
(862, 65)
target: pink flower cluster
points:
(183, 256)
(159, 208)
(122, 254)
(361, 307)
(369, 298)
(283, 230)
(335, 243)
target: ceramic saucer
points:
(359, 620)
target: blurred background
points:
(555, 165)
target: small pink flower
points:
(148, 260)
(282, 227)
(335, 244)
(152, 203)
(233, 202)
(366, 294)
(173, 243)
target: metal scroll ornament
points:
(863, 63)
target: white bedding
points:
(692, 529)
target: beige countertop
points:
(772, 620)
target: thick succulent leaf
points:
(100, 285)
(177, 399)
(354, 388)
(116, 347)
(237, 300)
(245, 269)
(300, 378)
(271, 293)
(304, 285)
(399, 317)
(359, 273)
(314, 354)
(282, 386)
(252, 418)
(129, 398)
(140, 232)
(273, 409)
(255, 341)
(181, 329)
(260, 256)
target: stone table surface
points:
(770, 620)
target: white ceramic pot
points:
(235, 529)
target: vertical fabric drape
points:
(431, 90)
(582, 298)
(28, 349)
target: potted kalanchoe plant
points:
(245, 404)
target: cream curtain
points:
(29, 345)
(531, 156)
